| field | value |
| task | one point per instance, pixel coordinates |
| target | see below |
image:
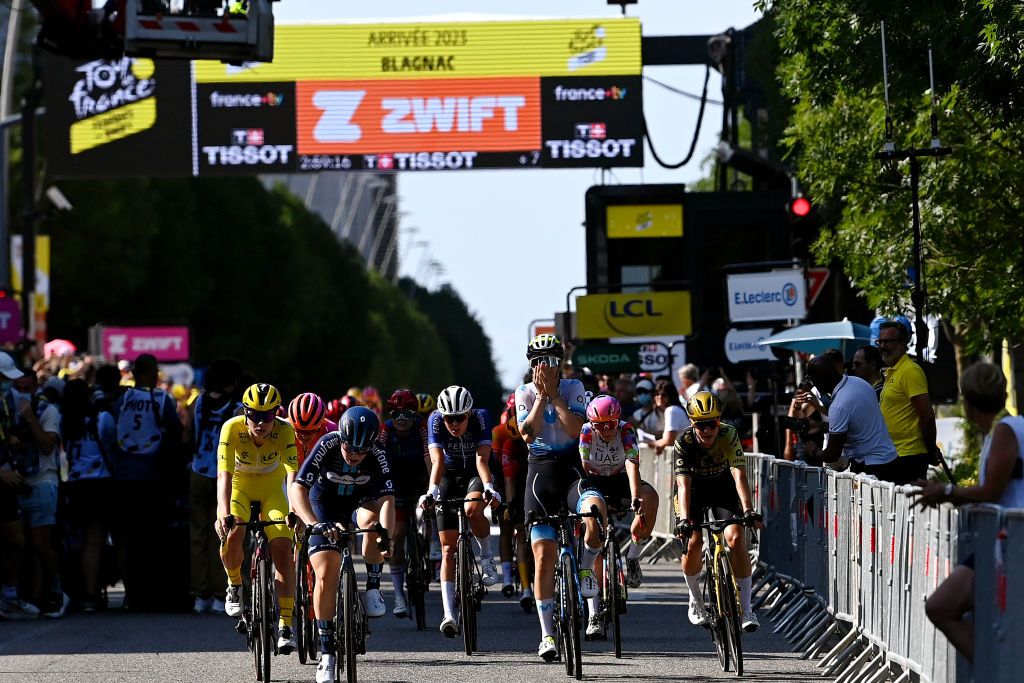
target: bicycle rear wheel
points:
(467, 595)
(265, 614)
(561, 620)
(351, 638)
(253, 624)
(713, 613)
(731, 612)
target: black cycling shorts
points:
(330, 507)
(547, 485)
(718, 494)
(614, 490)
(455, 486)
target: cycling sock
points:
(448, 598)
(546, 613)
(326, 632)
(286, 604)
(594, 604)
(485, 546)
(373, 570)
(744, 586)
(524, 575)
(234, 576)
(506, 572)
(693, 583)
(589, 555)
(398, 578)
(633, 552)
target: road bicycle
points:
(419, 571)
(569, 604)
(307, 640)
(614, 591)
(351, 625)
(722, 604)
(469, 586)
(259, 610)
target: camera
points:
(800, 425)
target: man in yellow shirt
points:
(906, 406)
(255, 457)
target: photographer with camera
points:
(805, 427)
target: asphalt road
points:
(658, 643)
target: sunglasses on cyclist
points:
(550, 361)
(259, 416)
(403, 414)
(455, 419)
(355, 451)
(604, 426)
(706, 425)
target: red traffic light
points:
(800, 207)
(3, 293)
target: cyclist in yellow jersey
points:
(711, 473)
(256, 456)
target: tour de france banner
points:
(387, 97)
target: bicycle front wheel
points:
(254, 623)
(265, 615)
(350, 641)
(614, 595)
(303, 608)
(415, 577)
(730, 612)
(573, 618)
(713, 612)
(467, 594)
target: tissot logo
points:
(245, 100)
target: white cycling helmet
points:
(455, 400)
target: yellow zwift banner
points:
(427, 49)
(645, 220)
(648, 314)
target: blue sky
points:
(512, 242)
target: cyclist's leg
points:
(735, 537)
(231, 549)
(585, 494)
(693, 560)
(544, 496)
(506, 548)
(370, 511)
(326, 560)
(398, 561)
(448, 532)
(481, 530)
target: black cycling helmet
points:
(359, 427)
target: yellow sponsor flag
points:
(645, 220)
(647, 314)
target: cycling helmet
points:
(333, 410)
(704, 406)
(425, 404)
(355, 392)
(370, 395)
(359, 427)
(261, 397)
(306, 412)
(455, 400)
(604, 408)
(544, 345)
(403, 399)
(348, 401)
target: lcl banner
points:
(166, 343)
(646, 314)
(388, 97)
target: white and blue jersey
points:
(208, 422)
(459, 451)
(552, 441)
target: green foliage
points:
(251, 272)
(970, 202)
(468, 347)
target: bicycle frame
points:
(472, 584)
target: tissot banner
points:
(404, 97)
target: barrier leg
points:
(904, 677)
(872, 668)
(782, 603)
(774, 585)
(839, 648)
(798, 631)
(841, 667)
(820, 641)
(790, 612)
(882, 674)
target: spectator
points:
(35, 437)
(732, 405)
(983, 387)
(856, 436)
(12, 535)
(107, 388)
(805, 431)
(906, 406)
(624, 394)
(215, 406)
(659, 426)
(148, 442)
(689, 375)
(89, 439)
(867, 364)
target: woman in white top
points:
(1001, 475)
(660, 425)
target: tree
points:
(970, 203)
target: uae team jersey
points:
(553, 440)
(609, 457)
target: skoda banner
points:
(646, 314)
(607, 357)
(778, 295)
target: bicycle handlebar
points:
(345, 533)
(716, 526)
(534, 519)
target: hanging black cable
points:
(696, 132)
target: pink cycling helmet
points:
(603, 408)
